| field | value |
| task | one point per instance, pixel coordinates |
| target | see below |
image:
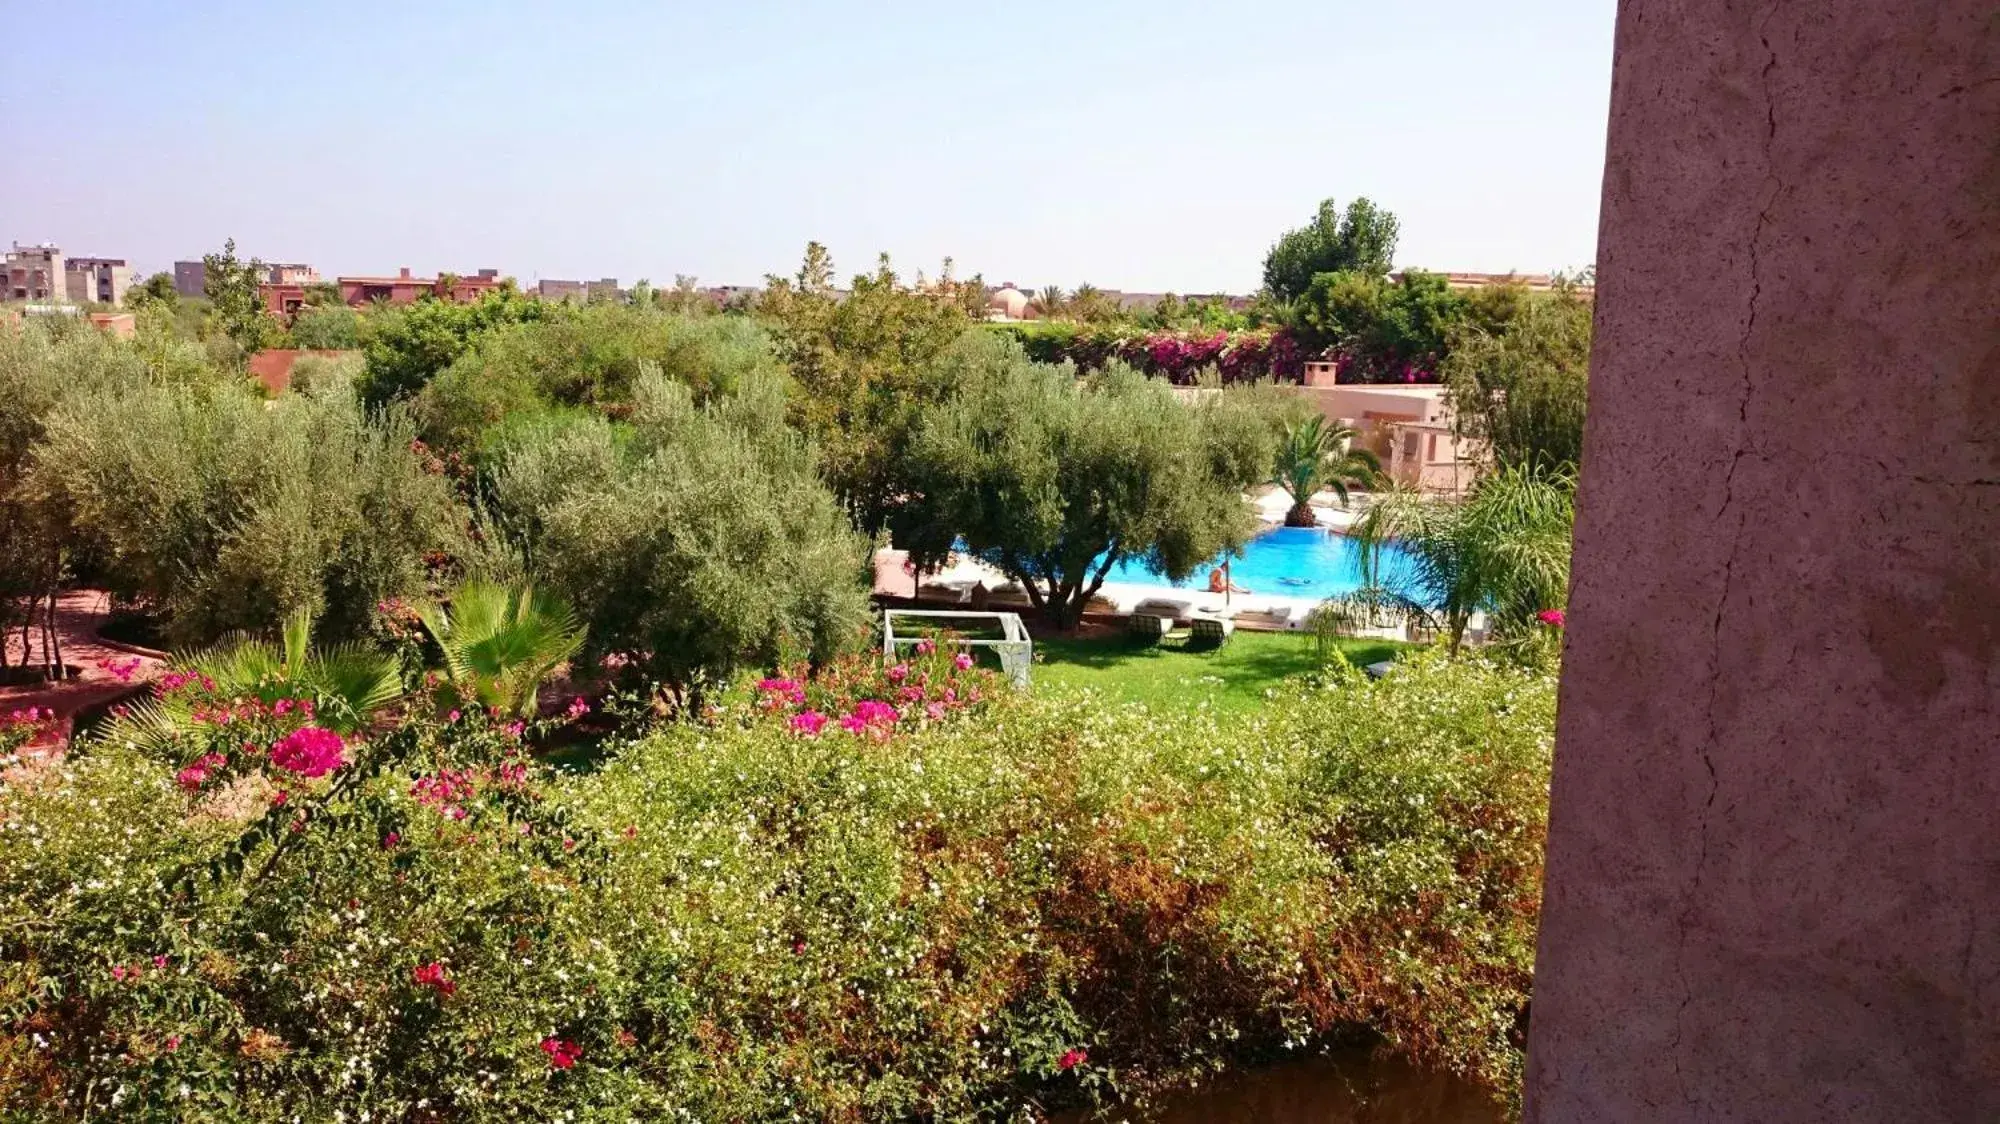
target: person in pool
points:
(1218, 582)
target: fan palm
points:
(1048, 303)
(348, 684)
(1503, 550)
(499, 643)
(1314, 455)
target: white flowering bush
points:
(971, 911)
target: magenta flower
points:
(854, 723)
(196, 774)
(898, 673)
(962, 661)
(925, 647)
(1072, 1057)
(808, 722)
(309, 751)
(562, 1053)
(777, 686)
(432, 975)
(935, 711)
(1554, 618)
(578, 707)
(874, 712)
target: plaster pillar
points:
(1773, 888)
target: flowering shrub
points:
(1039, 901)
(21, 727)
(862, 696)
(1177, 356)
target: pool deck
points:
(1273, 612)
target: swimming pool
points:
(1310, 562)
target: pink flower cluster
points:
(122, 670)
(870, 715)
(175, 680)
(30, 715)
(1554, 618)
(446, 791)
(561, 1052)
(433, 976)
(1071, 1058)
(578, 707)
(309, 751)
(197, 773)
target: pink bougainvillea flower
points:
(432, 975)
(578, 707)
(173, 1042)
(562, 1053)
(196, 774)
(118, 972)
(934, 711)
(962, 661)
(808, 722)
(451, 717)
(925, 647)
(777, 686)
(309, 751)
(1072, 1057)
(898, 673)
(159, 961)
(1554, 618)
(874, 712)
(853, 723)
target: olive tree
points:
(1055, 479)
(695, 539)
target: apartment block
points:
(102, 280)
(35, 273)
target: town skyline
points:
(1130, 146)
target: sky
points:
(1154, 146)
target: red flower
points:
(1072, 1057)
(433, 976)
(1554, 618)
(562, 1053)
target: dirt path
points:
(106, 669)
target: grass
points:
(1233, 677)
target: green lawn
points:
(1233, 677)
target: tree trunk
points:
(1301, 515)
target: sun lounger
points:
(1209, 632)
(1147, 627)
(1169, 607)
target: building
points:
(572, 291)
(36, 273)
(406, 289)
(102, 280)
(290, 273)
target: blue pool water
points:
(1282, 562)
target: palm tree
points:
(347, 684)
(1315, 455)
(1048, 304)
(1090, 305)
(499, 643)
(1503, 550)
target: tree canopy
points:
(1521, 391)
(1054, 479)
(1361, 239)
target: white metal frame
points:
(1016, 650)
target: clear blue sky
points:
(1157, 145)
